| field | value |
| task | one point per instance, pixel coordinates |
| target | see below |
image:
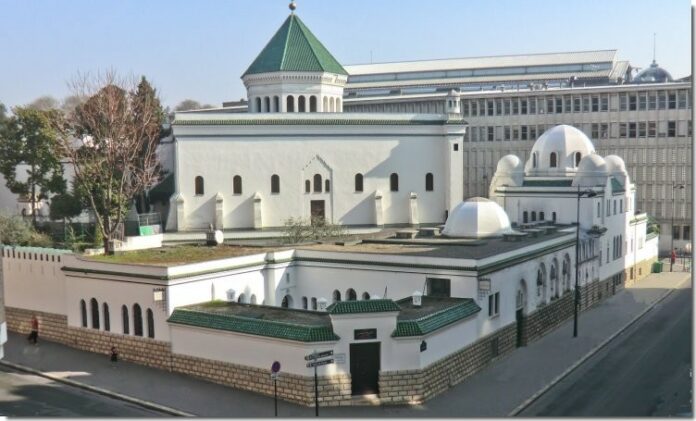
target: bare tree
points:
(111, 140)
(44, 103)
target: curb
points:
(114, 395)
(587, 356)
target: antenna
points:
(654, 44)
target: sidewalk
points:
(495, 391)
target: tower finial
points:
(292, 6)
(654, 44)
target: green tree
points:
(28, 138)
(119, 128)
(65, 206)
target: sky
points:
(199, 49)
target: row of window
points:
(315, 185)
(617, 247)
(586, 103)
(681, 232)
(642, 129)
(304, 104)
(532, 217)
(137, 318)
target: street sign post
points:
(275, 369)
(315, 362)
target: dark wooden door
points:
(520, 327)
(364, 368)
(317, 210)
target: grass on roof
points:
(181, 254)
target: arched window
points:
(358, 183)
(290, 104)
(317, 183)
(242, 298)
(124, 320)
(301, 106)
(276, 104)
(533, 216)
(267, 105)
(429, 182)
(541, 216)
(275, 184)
(534, 160)
(553, 216)
(107, 317)
(327, 185)
(314, 303)
(578, 157)
(287, 302)
(553, 160)
(151, 322)
(394, 182)
(336, 296)
(137, 320)
(83, 312)
(525, 217)
(304, 299)
(94, 307)
(237, 185)
(313, 104)
(307, 186)
(351, 295)
(258, 105)
(199, 186)
(365, 295)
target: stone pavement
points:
(495, 391)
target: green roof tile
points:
(547, 183)
(269, 328)
(294, 48)
(437, 320)
(365, 306)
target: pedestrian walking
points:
(672, 259)
(114, 354)
(34, 335)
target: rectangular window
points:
(508, 104)
(675, 232)
(652, 101)
(604, 130)
(652, 129)
(465, 108)
(608, 207)
(632, 103)
(605, 102)
(494, 304)
(576, 104)
(438, 287)
(595, 131)
(614, 206)
(642, 101)
(662, 100)
(671, 128)
(623, 130)
(687, 232)
(515, 106)
(642, 129)
(516, 133)
(549, 105)
(474, 109)
(507, 133)
(559, 105)
(632, 130)
(532, 105)
(585, 104)
(490, 134)
(523, 106)
(566, 100)
(672, 101)
(595, 104)
(532, 132)
(623, 102)
(490, 107)
(523, 132)
(682, 99)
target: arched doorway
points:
(554, 284)
(541, 284)
(520, 310)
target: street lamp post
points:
(671, 247)
(588, 193)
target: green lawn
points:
(176, 255)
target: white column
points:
(379, 210)
(258, 222)
(413, 209)
(218, 211)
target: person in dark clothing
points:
(114, 354)
(34, 335)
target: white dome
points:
(476, 218)
(509, 164)
(592, 171)
(615, 164)
(563, 140)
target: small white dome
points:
(477, 217)
(509, 164)
(615, 164)
(592, 171)
(565, 142)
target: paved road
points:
(643, 372)
(26, 395)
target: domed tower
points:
(557, 152)
(453, 105)
(295, 73)
(653, 74)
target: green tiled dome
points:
(294, 48)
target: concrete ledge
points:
(99, 390)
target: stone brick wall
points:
(333, 390)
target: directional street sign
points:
(317, 355)
(318, 363)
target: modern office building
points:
(509, 101)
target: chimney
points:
(322, 304)
(417, 298)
